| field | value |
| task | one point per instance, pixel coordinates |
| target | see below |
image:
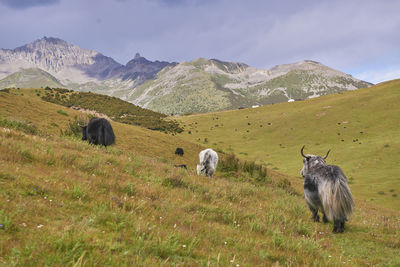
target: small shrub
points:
(18, 125)
(129, 189)
(6, 176)
(73, 128)
(174, 182)
(6, 223)
(78, 192)
(62, 112)
(27, 156)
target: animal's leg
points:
(338, 226)
(315, 215)
(324, 218)
(341, 229)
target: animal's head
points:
(311, 161)
(84, 130)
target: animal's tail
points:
(337, 199)
(207, 158)
(108, 135)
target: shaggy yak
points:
(208, 162)
(98, 132)
(326, 189)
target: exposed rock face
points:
(71, 64)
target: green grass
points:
(18, 125)
(67, 203)
(31, 78)
(366, 120)
(113, 107)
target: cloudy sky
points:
(360, 37)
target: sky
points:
(359, 37)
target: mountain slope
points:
(30, 78)
(73, 65)
(363, 136)
(67, 62)
(65, 202)
(209, 85)
(201, 85)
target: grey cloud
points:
(342, 34)
(22, 4)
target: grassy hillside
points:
(203, 85)
(67, 203)
(362, 129)
(115, 108)
(30, 78)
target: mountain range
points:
(201, 85)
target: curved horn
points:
(327, 153)
(302, 153)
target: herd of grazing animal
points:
(325, 186)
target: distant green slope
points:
(30, 78)
(204, 85)
(362, 128)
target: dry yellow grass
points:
(67, 203)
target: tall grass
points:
(19, 125)
(231, 164)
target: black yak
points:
(326, 189)
(98, 132)
(181, 166)
(208, 162)
(179, 151)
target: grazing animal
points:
(208, 162)
(326, 189)
(98, 132)
(179, 151)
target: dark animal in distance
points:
(179, 151)
(326, 189)
(181, 166)
(98, 132)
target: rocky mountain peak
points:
(44, 43)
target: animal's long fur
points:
(326, 189)
(337, 200)
(208, 162)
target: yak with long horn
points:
(326, 190)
